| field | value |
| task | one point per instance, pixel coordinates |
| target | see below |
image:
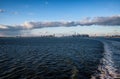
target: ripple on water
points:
(49, 58)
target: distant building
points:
(81, 35)
(48, 35)
(116, 36)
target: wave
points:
(106, 69)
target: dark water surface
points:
(49, 58)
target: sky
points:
(42, 17)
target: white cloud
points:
(27, 25)
(2, 11)
(105, 21)
(3, 27)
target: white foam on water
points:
(106, 69)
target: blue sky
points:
(20, 11)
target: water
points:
(109, 67)
(52, 58)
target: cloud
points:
(104, 21)
(15, 13)
(2, 11)
(3, 27)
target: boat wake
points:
(106, 69)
